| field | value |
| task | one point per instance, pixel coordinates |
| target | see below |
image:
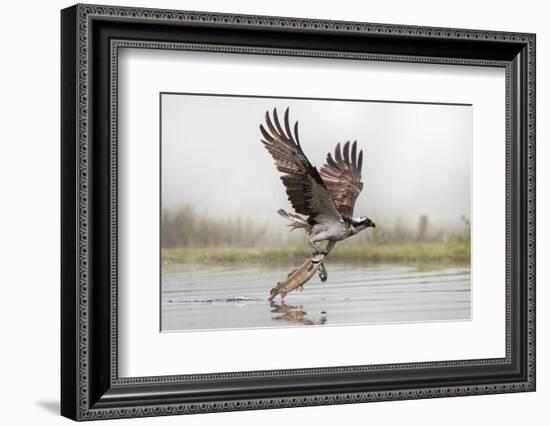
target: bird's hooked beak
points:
(370, 224)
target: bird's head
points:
(362, 222)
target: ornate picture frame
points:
(91, 387)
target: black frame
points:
(90, 386)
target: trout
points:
(299, 276)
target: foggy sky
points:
(416, 157)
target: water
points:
(204, 298)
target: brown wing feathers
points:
(342, 176)
(304, 186)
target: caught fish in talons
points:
(301, 275)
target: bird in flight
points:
(323, 201)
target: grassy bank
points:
(451, 252)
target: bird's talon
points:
(323, 276)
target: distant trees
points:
(187, 227)
(423, 228)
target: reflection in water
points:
(293, 314)
(199, 298)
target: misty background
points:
(220, 186)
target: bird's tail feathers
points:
(296, 222)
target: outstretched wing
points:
(342, 177)
(305, 189)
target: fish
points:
(299, 276)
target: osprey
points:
(323, 201)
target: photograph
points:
(289, 212)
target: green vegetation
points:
(451, 252)
(192, 238)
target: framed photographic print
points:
(263, 212)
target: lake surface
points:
(219, 297)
